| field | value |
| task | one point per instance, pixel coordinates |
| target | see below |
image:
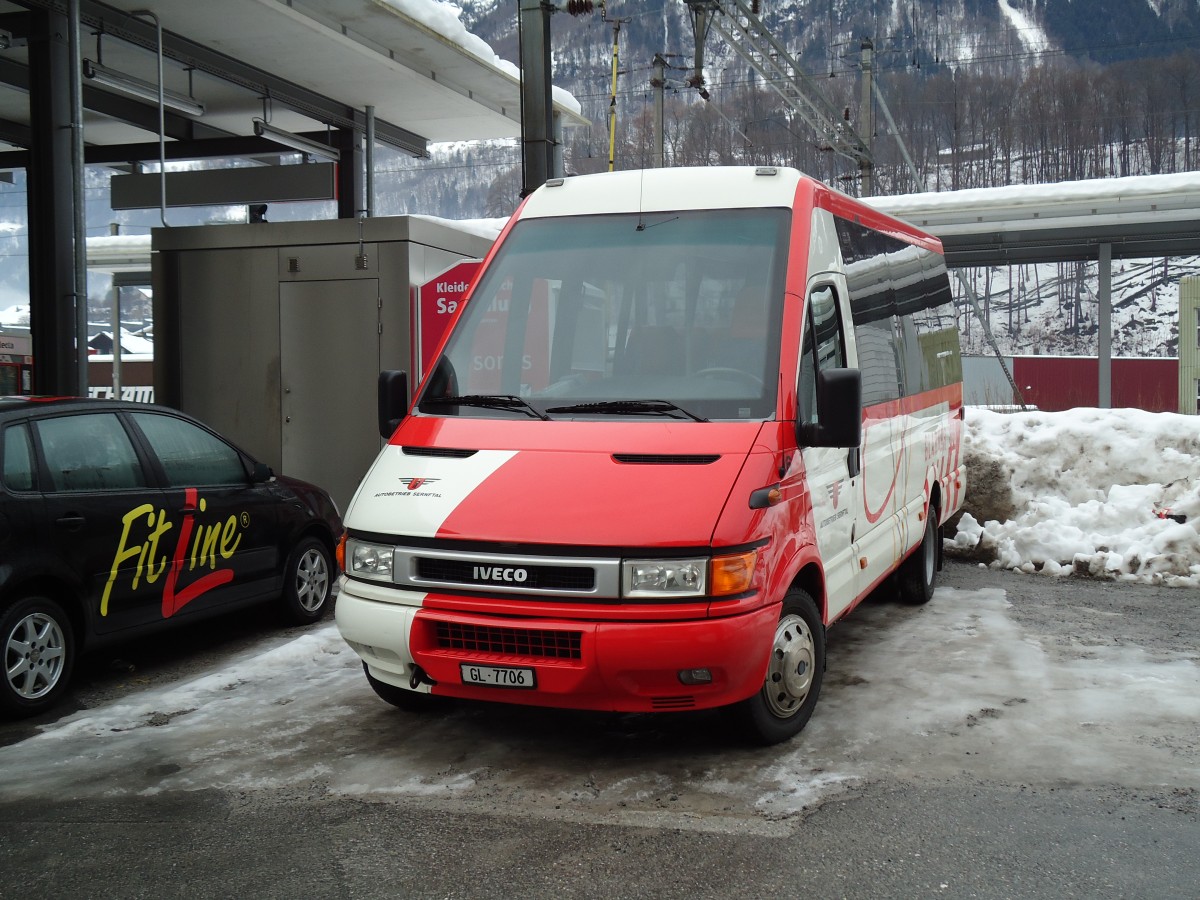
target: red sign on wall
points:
(437, 302)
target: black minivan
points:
(120, 518)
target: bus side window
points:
(823, 347)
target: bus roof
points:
(707, 187)
(650, 190)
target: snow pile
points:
(445, 19)
(1107, 493)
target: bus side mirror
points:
(839, 411)
(393, 400)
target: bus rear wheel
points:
(785, 703)
(919, 572)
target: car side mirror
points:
(839, 411)
(393, 400)
(261, 473)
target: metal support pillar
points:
(115, 293)
(78, 204)
(559, 167)
(349, 141)
(866, 166)
(51, 209)
(658, 82)
(612, 96)
(537, 127)
(1104, 334)
(369, 164)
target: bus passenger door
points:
(831, 472)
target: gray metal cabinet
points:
(274, 333)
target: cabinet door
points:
(329, 368)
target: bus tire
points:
(919, 571)
(784, 704)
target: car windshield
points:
(672, 314)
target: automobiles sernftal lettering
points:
(211, 540)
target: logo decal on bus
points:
(410, 486)
(498, 573)
(834, 489)
(413, 484)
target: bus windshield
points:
(659, 314)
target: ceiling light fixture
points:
(144, 90)
(295, 141)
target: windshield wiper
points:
(491, 401)
(630, 407)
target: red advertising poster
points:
(437, 301)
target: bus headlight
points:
(371, 561)
(720, 576)
(648, 578)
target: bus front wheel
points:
(784, 704)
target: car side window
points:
(89, 452)
(18, 459)
(190, 456)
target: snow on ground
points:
(1084, 492)
(296, 716)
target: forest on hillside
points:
(982, 92)
(1060, 120)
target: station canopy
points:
(304, 67)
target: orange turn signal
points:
(340, 553)
(732, 574)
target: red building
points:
(1056, 383)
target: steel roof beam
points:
(15, 133)
(1134, 241)
(188, 53)
(140, 113)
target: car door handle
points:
(71, 523)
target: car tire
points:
(402, 698)
(39, 655)
(308, 581)
(919, 572)
(785, 703)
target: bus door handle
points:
(853, 464)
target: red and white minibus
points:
(684, 421)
